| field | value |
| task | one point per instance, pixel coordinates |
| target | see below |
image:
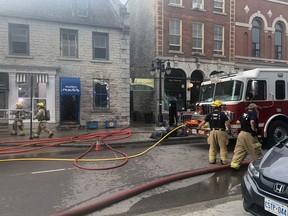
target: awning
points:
(70, 86)
(40, 78)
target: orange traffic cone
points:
(97, 148)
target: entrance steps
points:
(64, 126)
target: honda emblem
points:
(279, 188)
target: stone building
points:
(200, 37)
(72, 54)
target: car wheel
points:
(277, 131)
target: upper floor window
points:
(219, 6)
(175, 34)
(100, 46)
(256, 29)
(197, 37)
(81, 8)
(197, 4)
(101, 94)
(69, 43)
(18, 39)
(176, 2)
(278, 40)
(218, 40)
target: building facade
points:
(200, 37)
(73, 55)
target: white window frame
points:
(198, 36)
(175, 35)
(18, 34)
(219, 6)
(100, 43)
(175, 2)
(218, 39)
(198, 4)
(68, 44)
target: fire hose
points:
(139, 189)
(119, 196)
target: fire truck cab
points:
(266, 87)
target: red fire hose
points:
(139, 189)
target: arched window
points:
(278, 40)
(256, 29)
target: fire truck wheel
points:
(277, 131)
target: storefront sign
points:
(70, 86)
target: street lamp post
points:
(159, 66)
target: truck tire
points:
(277, 131)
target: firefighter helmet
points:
(19, 105)
(40, 104)
(216, 103)
(252, 106)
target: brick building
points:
(202, 36)
(74, 54)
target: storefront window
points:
(38, 94)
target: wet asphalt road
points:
(46, 187)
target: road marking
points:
(49, 171)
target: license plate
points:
(275, 207)
(194, 131)
(201, 132)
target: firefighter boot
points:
(50, 134)
(14, 132)
(36, 136)
(21, 133)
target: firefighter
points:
(247, 141)
(18, 121)
(218, 122)
(41, 117)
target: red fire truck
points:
(266, 87)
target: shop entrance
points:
(70, 92)
(69, 111)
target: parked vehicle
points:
(265, 183)
(266, 87)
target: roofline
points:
(58, 21)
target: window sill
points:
(69, 59)
(220, 13)
(101, 111)
(198, 54)
(176, 5)
(20, 56)
(176, 52)
(219, 56)
(198, 9)
(101, 61)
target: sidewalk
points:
(140, 135)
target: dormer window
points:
(81, 8)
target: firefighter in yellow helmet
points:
(41, 117)
(247, 141)
(18, 121)
(218, 122)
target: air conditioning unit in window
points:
(197, 6)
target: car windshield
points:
(224, 91)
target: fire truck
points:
(266, 87)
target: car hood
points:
(274, 164)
